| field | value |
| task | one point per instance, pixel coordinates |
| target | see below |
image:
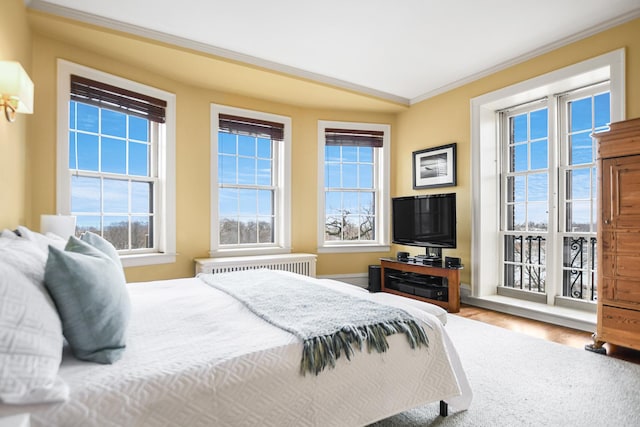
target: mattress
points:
(197, 357)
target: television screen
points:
(428, 221)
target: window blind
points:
(350, 137)
(114, 98)
(253, 127)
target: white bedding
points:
(197, 357)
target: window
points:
(525, 202)
(250, 182)
(354, 196)
(534, 182)
(582, 113)
(528, 151)
(115, 173)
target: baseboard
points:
(562, 316)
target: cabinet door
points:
(620, 236)
(621, 193)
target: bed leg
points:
(444, 408)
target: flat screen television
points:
(428, 221)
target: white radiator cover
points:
(304, 264)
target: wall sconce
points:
(61, 225)
(16, 90)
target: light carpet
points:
(518, 380)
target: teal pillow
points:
(90, 293)
(102, 244)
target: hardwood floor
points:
(559, 334)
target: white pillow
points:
(30, 328)
(407, 303)
(42, 240)
(343, 286)
(8, 234)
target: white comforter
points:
(197, 357)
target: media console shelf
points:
(435, 285)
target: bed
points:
(196, 356)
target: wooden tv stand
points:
(413, 279)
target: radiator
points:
(304, 264)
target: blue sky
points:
(124, 148)
(530, 137)
(245, 160)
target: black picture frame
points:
(434, 167)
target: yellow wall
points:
(446, 118)
(15, 45)
(436, 121)
(192, 158)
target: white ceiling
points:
(402, 50)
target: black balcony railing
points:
(525, 262)
(525, 265)
(579, 275)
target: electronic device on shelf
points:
(427, 221)
(417, 284)
(416, 278)
(452, 262)
(434, 261)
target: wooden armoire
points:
(618, 236)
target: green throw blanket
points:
(328, 322)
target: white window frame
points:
(563, 166)
(504, 231)
(165, 215)
(282, 202)
(485, 153)
(381, 189)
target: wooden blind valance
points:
(114, 98)
(253, 127)
(351, 137)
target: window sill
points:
(522, 294)
(583, 320)
(249, 252)
(353, 248)
(147, 259)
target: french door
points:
(548, 195)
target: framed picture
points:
(435, 167)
